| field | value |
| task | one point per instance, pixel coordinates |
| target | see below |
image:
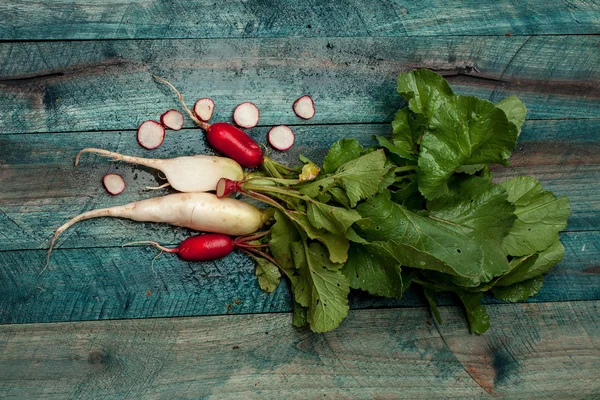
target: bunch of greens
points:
(421, 208)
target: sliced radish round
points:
(246, 115)
(150, 134)
(304, 107)
(281, 137)
(172, 119)
(204, 109)
(113, 183)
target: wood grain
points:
(532, 351)
(111, 283)
(106, 85)
(563, 155)
(150, 19)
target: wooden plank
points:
(150, 19)
(533, 351)
(106, 85)
(113, 283)
(563, 155)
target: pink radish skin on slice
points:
(150, 135)
(281, 137)
(304, 107)
(172, 119)
(246, 115)
(114, 184)
(204, 108)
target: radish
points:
(150, 135)
(197, 173)
(204, 109)
(172, 119)
(246, 115)
(211, 246)
(304, 107)
(281, 137)
(229, 140)
(198, 211)
(114, 183)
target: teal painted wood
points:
(564, 155)
(532, 351)
(151, 19)
(106, 85)
(112, 283)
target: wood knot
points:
(97, 357)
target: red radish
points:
(235, 143)
(172, 119)
(204, 109)
(114, 183)
(226, 138)
(304, 107)
(281, 137)
(150, 135)
(227, 187)
(198, 211)
(246, 115)
(187, 174)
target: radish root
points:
(164, 185)
(117, 157)
(155, 244)
(200, 123)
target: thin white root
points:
(148, 162)
(201, 124)
(155, 244)
(164, 185)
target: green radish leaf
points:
(333, 219)
(519, 291)
(268, 274)
(341, 152)
(283, 234)
(540, 216)
(479, 320)
(337, 245)
(300, 315)
(430, 296)
(514, 109)
(528, 267)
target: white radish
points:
(304, 107)
(150, 135)
(198, 211)
(246, 115)
(197, 173)
(281, 137)
(113, 183)
(172, 119)
(204, 109)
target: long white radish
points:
(197, 173)
(198, 211)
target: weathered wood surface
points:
(115, 282)
(106, 85)
(150, 19)
(533, 351)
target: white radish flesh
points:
(197, 173)
(172, 119)
(150, 135)
(246, 115)
(198, 211)
(304, 107)
(114, 184)
(204, 109)
(281, 137)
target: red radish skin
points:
(208, 247)
(150, 135)
(114, 184)
(246, 115)
(227, 187)
(304, 107)
(235, 143)
(204, 109)
(172, 119)
(281, 137)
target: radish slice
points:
(246, 115)
(304, 107)
(281, 137)
(172, 119)
(204, 109)
(150, 135)
(113, 183)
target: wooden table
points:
(101, 323)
